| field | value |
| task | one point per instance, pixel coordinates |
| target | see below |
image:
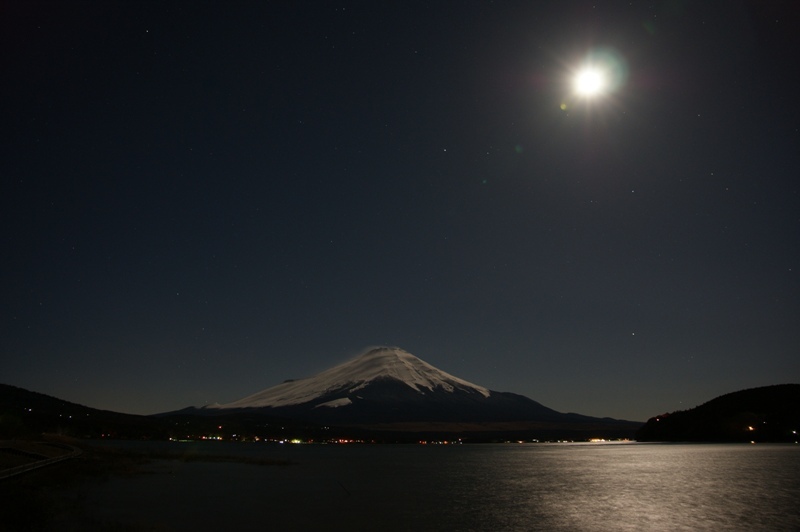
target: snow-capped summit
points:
(389, 387)
(333, 387)
(385, 385)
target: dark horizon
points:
(202, 200)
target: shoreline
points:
(53, 497)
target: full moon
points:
(590, 82)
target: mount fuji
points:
(389, 387)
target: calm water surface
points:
(469, 487)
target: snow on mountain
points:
(376, 364)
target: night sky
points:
(201, 200)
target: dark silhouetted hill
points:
(766, 414)
(26, 413)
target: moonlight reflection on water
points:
(478, 487)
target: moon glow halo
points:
(590, 82)
(594, 81)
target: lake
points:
(463, 487)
